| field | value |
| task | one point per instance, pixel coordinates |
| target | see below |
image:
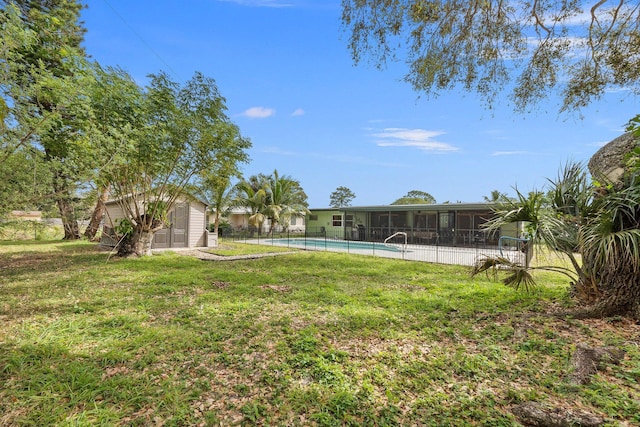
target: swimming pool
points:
(325, 244)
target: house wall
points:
(512, 230)
(300, 224)
(240, 221)
(27, 215)
(324, 220)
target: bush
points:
(29, 230)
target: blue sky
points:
(292, 88)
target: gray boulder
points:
(607, 165)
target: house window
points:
(337, 220)
(294, 220)
(313, 217)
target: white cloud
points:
(259, 112)
(298, 112)
(414, 138)
(260, 3)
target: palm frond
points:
(608, 250)
(571, 192)
(527, 208)
(519, 276)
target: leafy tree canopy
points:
(184, 131)
(274, 197)
(577, 49)
(415, 197)
(343, 196)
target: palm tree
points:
(286, 198)
(252, 195)
(598, 231)
(495, 196)
(218, 191)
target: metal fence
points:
(463, 253)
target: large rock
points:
(608, 163)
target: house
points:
(26, 215)
(238, 219)
(188, 223)
(456, 224)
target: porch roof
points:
(422, 207)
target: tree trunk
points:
(98, 213)
(140, 240)
(619, 288)
(216, 222)
(142, 247)
(66, 209)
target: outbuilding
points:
(188, 226)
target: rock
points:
(607, 165)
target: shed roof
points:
(184, 196)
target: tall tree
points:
(26, 182)
(116, 104)
(215, 186)
(578, 49)
(46, 88)
(218, 191)
(415, 197)
(185, 130)
(343, 196)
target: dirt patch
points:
(277, 288)
(220, 284)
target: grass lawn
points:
(230, 248)
(310, 338)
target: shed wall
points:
(197, 225)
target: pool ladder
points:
(399, 233)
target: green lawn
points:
(230, 248)
(309, 338)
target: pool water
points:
(334, 244)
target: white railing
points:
(399, 233)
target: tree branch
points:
(539, 22)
